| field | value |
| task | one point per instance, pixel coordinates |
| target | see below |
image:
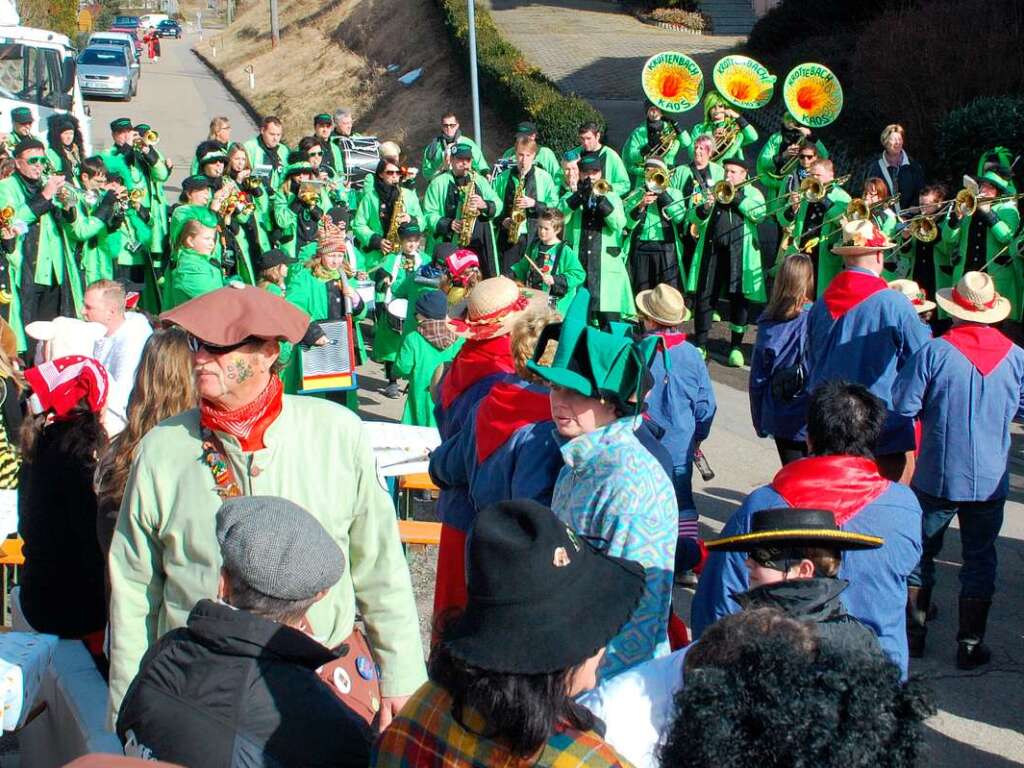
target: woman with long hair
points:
(164, 387)
(64, 146)
(778, 373)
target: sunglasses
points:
(449, 125)
(807, 157)
(392, 173)
(317, 153)
(37, 160)
(195, 344)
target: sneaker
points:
(715, 317)
(392, 391)
(735, 358)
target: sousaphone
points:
(743, 82)
(813, 95)
(672, 81)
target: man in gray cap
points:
(238, 685)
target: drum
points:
(362, 153)
(397, 309)
(365, 289)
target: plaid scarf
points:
(437, 333)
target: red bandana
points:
(248, 423)
(670, 340)
(850, 288)
(844, 485)
(983, 345)
(476, 360)
(507, 407)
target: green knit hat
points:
(200, 213)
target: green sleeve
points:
(615, 173)
(617, 219)
(766, 158)
(570, 266)
(361, 229)
(486, 191)
(479, 161)
(520, 269)
(1009, 220)
(406, 359)
(433, 205)
(676, 210)
(432, 157)
(160, 172)
(632, 155)
(748, 135)
(752, 205)
(547, 191)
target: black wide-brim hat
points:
(790, 527)
(541, 598)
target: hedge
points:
(516, 88)
(965, 133)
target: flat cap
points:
(277, 547)
(237, 312)
(462, 152)
(590, 161)
(121, 124)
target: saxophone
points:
(396, 213)
(518, 215)
(467, 216)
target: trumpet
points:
(724, 191)
(813, 191)
(858, 209)
(6, 216)
(308, 194)
(656, 181)
(252, 182)
(601, 187)
(148, 138)
(967, 202)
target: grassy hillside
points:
(337, 52)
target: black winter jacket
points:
(232, 689)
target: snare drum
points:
(396, 314)
(362, 154)
(365, 289)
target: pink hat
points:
(58, 385)
(459, 261)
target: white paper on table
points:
(24, 657)
(401, 449)
(8, 512)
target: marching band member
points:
(212, 165)
(526, 190)
(783, 155)
(695, 181)
(983, 238)
(125, 239)
(815, 224)
(727, 260)
(613, 170)
(156, 168)
(928, 262)
(266, 148)
(64, 146)
(658, 137)
(298, 207)
(122, 158)
(447, 213)
(655, 247)
(546, 158)
(197, 268)
(901, 175)
(22, 122)
(556, 268)
(727, 127)
(594, 224)
(437, 155)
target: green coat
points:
(747, 135)
(752, 209)
(55, 259)
(367, 224)
(126, 245)
(635, 146)
(133, 176)
(255, 151)
(194, 274)
(609, 285)
(546, 193)
(164, 556)
(829, 265)
(433, 157)
(649, 226)
(613, 169)
(567, 266)
(156, 176)
(683, 180)
(417, 360)
(767, 170)
(546, 159)
(1008, 277)
(437, 219)
(942, 260)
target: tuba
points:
(467, 214)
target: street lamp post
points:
(473, 81)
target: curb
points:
(230, 87)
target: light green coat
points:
(417, 360)
(766, 169)
(433, 158)
(829, 265)
(434, 211)
(1008, 278)
(164, 556)
(752, 210)
(610, 282)
(636, 144)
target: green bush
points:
(513, 86)
(965, 133)
(793, 20)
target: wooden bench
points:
(409, 484)
(421, 532)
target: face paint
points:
(243, 369)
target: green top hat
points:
(995, 180)
(302, 166)
(592, 362)
(120, 124)
(213, 157)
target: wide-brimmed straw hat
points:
(492, 308)
(540, 597)
(861, 237)
(664, 305)
(974, 298)
(915, 293)
(791, 527)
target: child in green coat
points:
(555, 267)
(196, 269)
(394, 271)
(431, 345)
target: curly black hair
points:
(844, 419)
(778, 706)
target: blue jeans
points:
(980, 522)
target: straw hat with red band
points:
(974, 298)
(915, 294)
(59, 385)
(862, 237)
(493, 307)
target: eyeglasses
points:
(195, 344)
(37, 160)
(807, 157)
(449, 125)
(317, 153)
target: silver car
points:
(105, 70)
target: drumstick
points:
(533, 264)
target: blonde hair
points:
(216, 124)
(794, 285)
(190, 228)
(525, 334)
(892, 128)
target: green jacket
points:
(829, 265)
(609, 284)
(613, 169)
(417, 360)
(767, 170)
(164, 556)
(636, 145)
(132, 174)
(942, 261)
(156, 175)
(255, 151)
(437, 218)
(433, 157)
(368, 228)
(126, 245)
(670, 206)
(568, 273)
(684, 180)
(194, 274)
(539, 181)
(546, 159)
(747, 135)
(751, 209)
(1005, 268)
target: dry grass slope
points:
(336, 52)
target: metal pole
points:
(473, 82)
(275, 25)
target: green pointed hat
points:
(592, 362)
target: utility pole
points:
(473, 82)
(231, 11)
(275, 25)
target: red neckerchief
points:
(477, 359)
(507, 407)
(248, 423)
(848, 289)
(983, 345)
(668, 339)
(844, 485)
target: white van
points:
(152, 20)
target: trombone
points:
(656, 181)
(724, 191)
(857, 209)
(967, 202)
(723, 143)
(813, 191)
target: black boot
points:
(918, 605)
(970, 651)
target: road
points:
(980, 722)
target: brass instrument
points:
(518, 216)
(724, 191)
(665, 142)
(857, 209)
(601, 187)
(967, 202)
(149, 138)
(308, 194)
(724, 141)
(813, 191)
(135, 196)
(6, 216)
(397, 211)
(923, 228)
(252, 182)
(467, 213)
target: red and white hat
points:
(461, 260)
(59, 385)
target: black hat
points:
(409, 229)
(271, 258)
(30, 142)
(590, 161)
(462, 152)
(61, 122)
(323, 119)
(120, 124)
(540, 597)
(790, 527)
(526, 128)
(432, 305)
(22, 116)
(739, 162)
(194, 183)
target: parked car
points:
(105, 70)
(129, 24)
(169, 28)
(119, 38)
